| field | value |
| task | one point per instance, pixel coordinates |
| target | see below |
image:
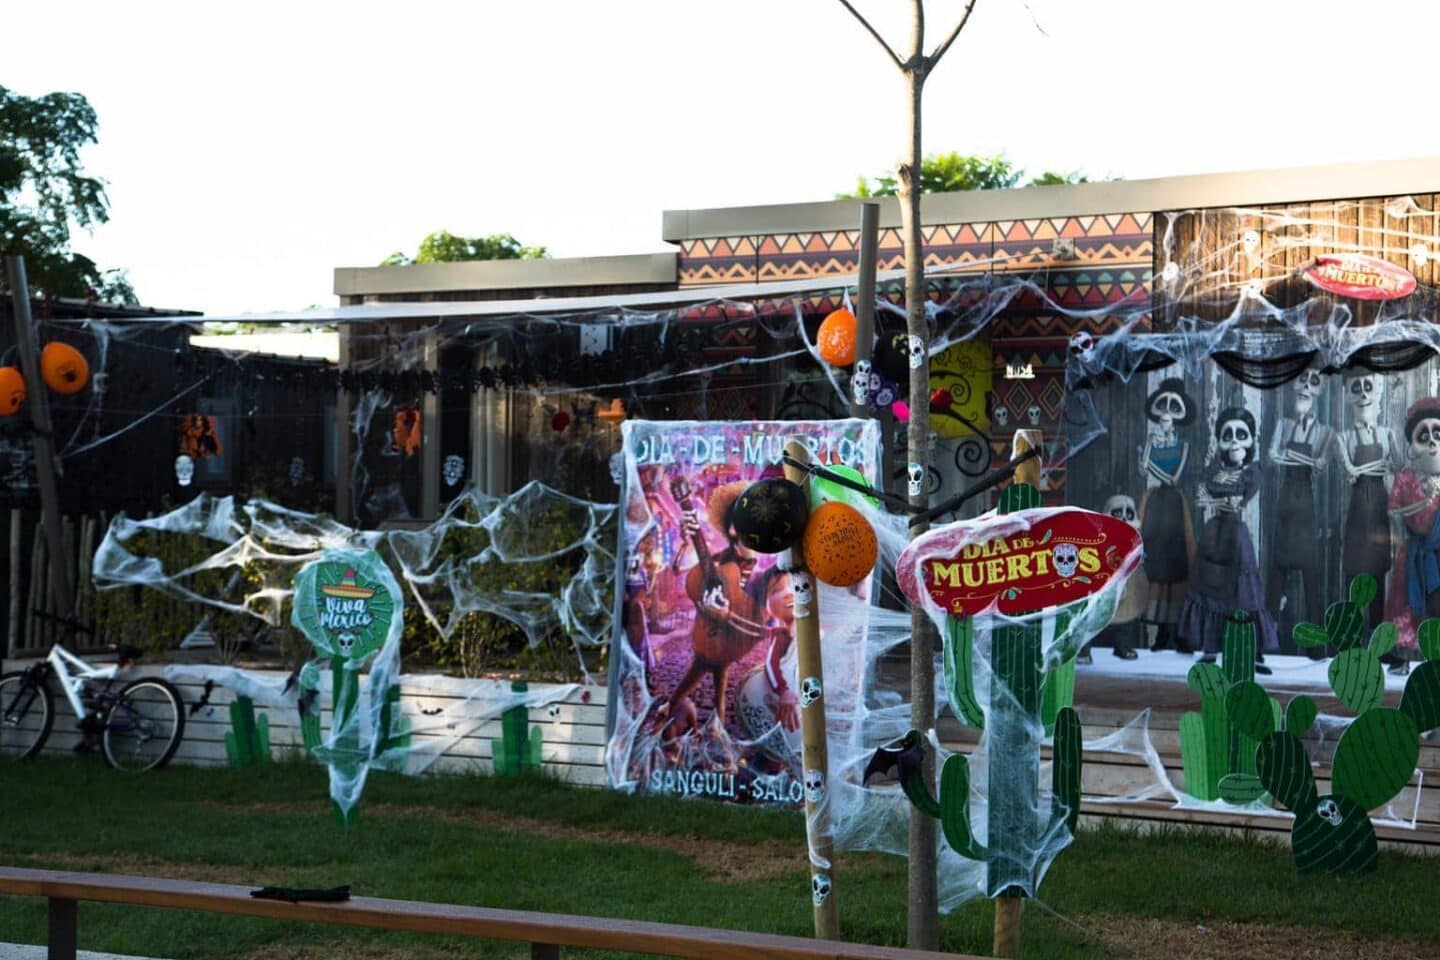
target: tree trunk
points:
(923, 918)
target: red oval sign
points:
(1359, 277)
(1017, 562)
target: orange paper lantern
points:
(12, 391)
(840, 546)
(63, 368)
(836, 339)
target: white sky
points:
(251, 148)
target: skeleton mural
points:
(1300, 447)
(1165, 524)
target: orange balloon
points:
(63, 368)
(840, 547)
(12, 391)
(836, 339)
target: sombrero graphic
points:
(347, 588)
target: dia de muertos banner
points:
(703, 665)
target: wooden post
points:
(63, 932)
(1007, 927)
(343, 511)
(430, 436)
(865, 296)
(37, 401)
(816, 752)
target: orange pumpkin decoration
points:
(840, 547)
(836, 339)
(63, 368)
(12, 391)
(406, 430)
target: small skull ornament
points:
(810, 691)
(916, 350)
(1235, 435)
(1250, 240)
(814, 785)
(1033, 412)
(184, 470)
(1425, 446)
(916, 484)
(1066, 558)
(345, 643)
(1122, 507)
(1329, 811)
(860, 383)
(819, 889)
(804, 591)
(1082, 345)
(1002, 416)
(452, 470)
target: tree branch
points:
(934, 58)
(874, 33)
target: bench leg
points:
(62, 929)
(544, 951)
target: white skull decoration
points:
(916, 484)
(804, 591)
(1082, 345)
(345, 643)
(453, 469)
(814, 785)
(917, 353)
(1425, 445)
(1033, 412)
(184, 470)
(860, 382)
(1167, 408)
(297, 471)
(1364, 394)
(1250, 239)
(1329, 811)
(1237, 441)
(1307, 388)
(819, 888)
(810, 690)
(1002, 416)
(1122, 507)
(1066, 557)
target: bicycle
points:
(139, 728)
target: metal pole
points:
(45, 471)
(865, 296)
(62, 933)
(815, 752)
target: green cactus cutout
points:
(954, 807)
(1334, 835)
(1376, 757)
(1344, 624)
(1057, 691)
(1357, 679)
(1241, 788)
(1284, 770)
(1363, 590)
(518, 751)
(1237, 649)
(1429, 638)
(1217, 745)
(1067, 760)
(1300, 714)
(1421, 700)
(1247, 707)
(959, 667)
(1204, 747)
(247, 744)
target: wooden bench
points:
(546, 932)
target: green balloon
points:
(826, 491)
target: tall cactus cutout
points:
(248, 742)
(518, 750)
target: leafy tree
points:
(951, 172)
(442, 246)
(44, 192)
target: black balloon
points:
(770, 515)
(892, 356)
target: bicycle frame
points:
(72, 682)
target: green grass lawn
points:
(540, 845)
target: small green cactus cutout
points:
(517, 752)
(248, 742)
(1217, 745)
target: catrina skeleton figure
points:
(1367, 452)
(1165, 526)
(1415, 499)
(1226, 577)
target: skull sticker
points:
(452, 470)
(1066, 558)
(1033, 412)
(1002, 416)
(860, 382)
(804, 590)
(819, 888)
(810, 691)
(814, 786)
(1329, 811)
(184, 470)
(917, 353)
(916, 484)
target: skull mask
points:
(814, 785)
(1364, 392)
(1066, 557)
(917, 353)
(1425, 444)
(184, 470)
(1122, 507)
(860, 382)
(810, 690)
(916, 484)
(819, 888)
(452, 470)
(1235, 434)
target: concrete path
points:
(20, 951)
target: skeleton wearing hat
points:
(1414, 593)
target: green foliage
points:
(442, 246)
(44, 192)
(953, 172)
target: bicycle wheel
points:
(27, 712)
(143, 726)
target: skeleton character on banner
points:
(1414, 593)
(1368, 453)
(1126, 630)
(1299, 446)
(1165, 524)
(1227, 577)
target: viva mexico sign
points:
(1017, 562)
